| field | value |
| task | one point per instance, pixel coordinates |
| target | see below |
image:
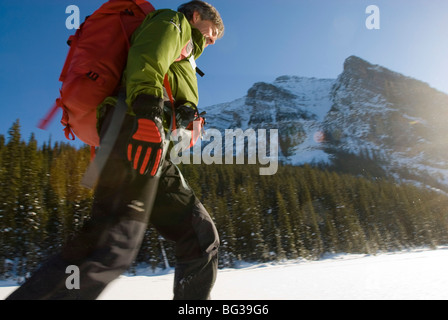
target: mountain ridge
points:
(367, 110)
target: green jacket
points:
(155, 47)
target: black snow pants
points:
(109, 242)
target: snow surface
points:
(409, 275)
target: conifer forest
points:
(300, 212)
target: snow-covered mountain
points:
(397, 121)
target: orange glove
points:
(145, 147)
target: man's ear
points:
(196, 17)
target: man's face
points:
(207, 28)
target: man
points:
(138, 183)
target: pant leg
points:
(109, 241)
(114, 250)
(180, 217)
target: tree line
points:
(301, 212)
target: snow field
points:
(409, 275)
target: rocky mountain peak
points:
(355, 64)
(368, 109)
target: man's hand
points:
(190, 119)
(145, 148)
(187, 116)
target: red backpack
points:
(94, 65)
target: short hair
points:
(206, 11)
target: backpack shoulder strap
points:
(167, 86)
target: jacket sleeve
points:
(155, 45)
(183, 83)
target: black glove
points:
(185, 116)
(190, 119)
(145, 148)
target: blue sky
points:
(263, 40)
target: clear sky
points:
(264, 39)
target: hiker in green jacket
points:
(139, 184)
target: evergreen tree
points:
(313, 239)
(287, 237)
(11, 192)
(30, 216)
